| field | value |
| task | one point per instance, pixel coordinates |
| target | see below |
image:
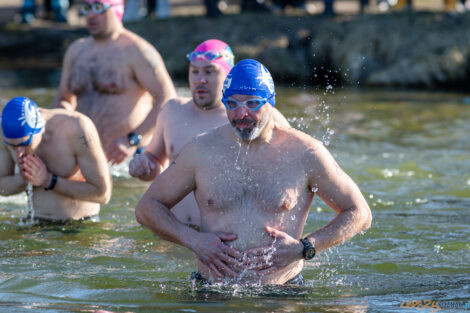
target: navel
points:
(210, 202)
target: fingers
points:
(227, 270)
(267, 271)
(274, 232)
(226, 236)
(258, 263)
(215, 271)
(231, 252)
(259, 251)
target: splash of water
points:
(29, 195)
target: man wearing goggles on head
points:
(254, 182)
(209, 64)
(116, 78)
(60, 154)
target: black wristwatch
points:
(134, 139)
(309, 250)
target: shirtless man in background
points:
(254, 182)
(181, 119)
(116, 78)
(60, 154)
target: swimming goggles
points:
(97, 7)
(250, 104)
(27, 142)
(209, 55)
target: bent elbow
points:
(140, 213)
(366, 219)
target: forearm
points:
(13, 184)
(342, 228)
(160, 220)
(82, 190)
(147, 127)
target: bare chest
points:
(103, 71)
(182, 128)
(269, 185)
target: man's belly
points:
(251, 233)
(53, 206)
(115, 116)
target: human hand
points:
(141, 166)
(119, 150)
(211, 250)
(283, 251)
(34, 170)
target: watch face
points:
(134, 139)
(310, 253)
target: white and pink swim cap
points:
(214, 51)
(116, 5)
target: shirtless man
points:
(60, 154)
(181, 119)
(112, 77)
(254, 182)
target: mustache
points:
(243, 120)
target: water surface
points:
(407, 151)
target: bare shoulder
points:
(308, 147)
(71, 122)
(139, 47)
(77, 46)
(175, 106)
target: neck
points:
(212, 107)
(113, 35)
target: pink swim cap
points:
(214, 51)
(116, 5)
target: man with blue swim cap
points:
(183, 118)
(254, 182)
(59, 153)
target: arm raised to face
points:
(339, 191)
(10, 183)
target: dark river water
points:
(409, 152)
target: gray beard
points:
(252, 133)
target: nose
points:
(201, 78)
(241, 112)
(20, 151)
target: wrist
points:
(133, 139)
(52, 183)
(47, 181)
(309, 250)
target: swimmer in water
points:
(182, 119)
(116, 78)
(254, 182)
(59, 153)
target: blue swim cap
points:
(249, 77)
(21, 118)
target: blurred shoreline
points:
(404, 49)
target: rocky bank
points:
(403, 49)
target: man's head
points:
(22, 125)
(103, 16)
(209, 64)
(247, 88)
